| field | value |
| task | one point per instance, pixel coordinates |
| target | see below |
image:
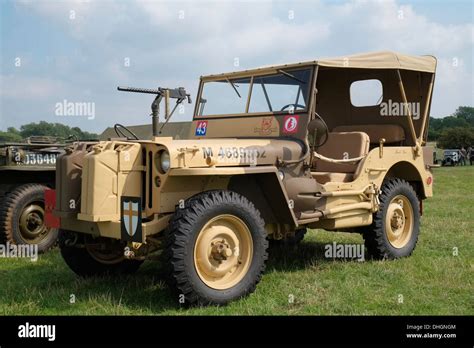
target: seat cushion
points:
(342, 146)
(392, 133)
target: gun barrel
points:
(139, 90)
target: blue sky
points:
(77, 50)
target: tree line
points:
(45, 129)
(455, 131)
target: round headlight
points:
(162, 161)
(281, 175)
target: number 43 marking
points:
(201, 128)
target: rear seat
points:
(392, 133)
(340, 145)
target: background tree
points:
(455, 138)
(45, 129)
(463, 117)
(466, 113)
(11, 135)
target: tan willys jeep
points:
(273, 151)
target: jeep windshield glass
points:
(282, 92)
(224, 97)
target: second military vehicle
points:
(451, 157)
(26, 170)
(272, 152)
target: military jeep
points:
(272, 152)
(451, 157)
(26, 170)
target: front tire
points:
(396, 225)
(90, 258)
(22, 218)
(216, 248)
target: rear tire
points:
(22, 218)
(396, 225)
(85, 263)
(215, 248)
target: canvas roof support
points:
(407, 108)
(427, 106)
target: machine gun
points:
(168, 93)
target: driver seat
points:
(340, 145)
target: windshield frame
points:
(252, 76)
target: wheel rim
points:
(223, 252)
(399, 221)
(31, 223)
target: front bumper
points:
(112, 229)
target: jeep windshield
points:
(283, 92)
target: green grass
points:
(431, 281)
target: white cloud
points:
(25, 88)
(172, 43)
(453, 87)
(390, 23)
(71, 13)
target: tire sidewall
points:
(81, 262)
(258, 240)
(406, 191)
(36, 194)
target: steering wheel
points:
(319, 126)
(295, 105)
(119, 130)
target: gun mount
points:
(168, 93)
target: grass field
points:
(297, 281)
